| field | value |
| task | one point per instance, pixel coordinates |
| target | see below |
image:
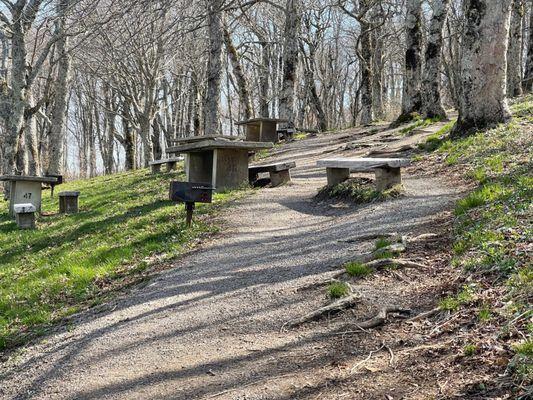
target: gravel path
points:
(210, 327)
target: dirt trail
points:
(210, 327)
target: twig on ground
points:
(353, 370)
(391, 361)
(423, 315)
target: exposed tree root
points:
(334, 307)
(382, 316)
(399, 262)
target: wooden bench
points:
(280, 173)
(387, 170)
(169, 162)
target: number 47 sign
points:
(27, 196)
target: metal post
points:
(189, 207)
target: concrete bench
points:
(169, 162)
(387, 170)
(25, 215)
(280, 173)
(286, 134)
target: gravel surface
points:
(211, 326)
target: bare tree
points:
(485, 40)
(514, 53)
(431, 78)
(412, 100)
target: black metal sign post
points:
(189, 208)
(190, 194)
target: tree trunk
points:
(411, 100)
(514, 53)
(32, 144)
(528, 73)
(377, 81)
(290, 61)
(244, 94)
(14, 99)
(367, 79)
(214, 67)
(264, 81)
(129, 145)
(431, 80)
(59, 110)
(484, 66)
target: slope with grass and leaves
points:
(492, 239)
(125, 224)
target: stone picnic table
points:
(218, 161)
(262, 129)
(26, 190)
(193, 139)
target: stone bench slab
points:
(24, 208)
(272, 167)
(211, 144)
(363, 164)
(166, 161)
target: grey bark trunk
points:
(514, 53)
(484, 66)
(214, 67)
(290, 61)
(59, 111)
(367, 79)
(431, 80)
(264, 80)
(411, 100)
(242, 85)
(528, 73)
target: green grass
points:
(357, 269)
(381, 243)
(71, 262)
(434, 141)
(470, 349)
(492, 229)
(419, 123)
(453, 303)
(336, 290)
(359, 191)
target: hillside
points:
(125, 227)
(218, 322)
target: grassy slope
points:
(492, 236)
(126, 222)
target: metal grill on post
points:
(191, 193)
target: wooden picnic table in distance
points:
(221, 163)
(26, 189)
(262, 129)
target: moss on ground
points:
(126, 225)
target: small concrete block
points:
(280, 178)
(387, 178)
(337, 175)
(25, 215)
(25, 208)
(68, 202)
